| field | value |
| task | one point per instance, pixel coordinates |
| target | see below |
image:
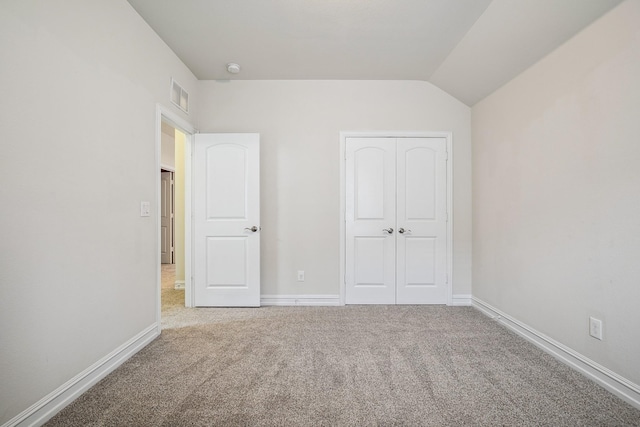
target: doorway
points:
(172, 217)
(173, 147)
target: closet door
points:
(370, 220)
(396, 221)
(421, 221)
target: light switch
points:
(145, 209)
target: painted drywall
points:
(78, 268)
(179, 182)
(299, 124)
(556, 193)
(167, 147)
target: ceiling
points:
(468, 48)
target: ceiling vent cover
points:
(179, 96)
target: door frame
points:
(343, 229)
(167, 114)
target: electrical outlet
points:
(595, 328)
(300, 275)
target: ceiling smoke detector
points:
(233, 68)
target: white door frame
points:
(343, 231)
(166, 114)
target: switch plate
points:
(300, 275)
(145, 209)
(595, 328)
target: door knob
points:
(254, 228)
(402, 231)
(388, 230)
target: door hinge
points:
(446, 155)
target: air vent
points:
(179, 96)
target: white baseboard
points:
(179, 284)
(319, 300)
(616, 384)
(40, 412)
(461, 300)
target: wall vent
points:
(179, 96)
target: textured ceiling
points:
(468, 48)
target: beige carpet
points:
(172, 299)
(168, 275)
(344, 366)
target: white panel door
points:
(226, 220)
(421, 242)
(166, 217)
(396, 221)
(370, 220)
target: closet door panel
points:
(370, 210)
(422, 221)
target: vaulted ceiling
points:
(468, 48)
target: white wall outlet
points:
(595, 327)
(300, 275)
(145, 209)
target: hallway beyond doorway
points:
(171, 298)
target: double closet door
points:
(396, 221)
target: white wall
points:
(299, 124)
(77, 127)
(556, 193)
(168, 147)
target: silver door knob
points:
(388, 230)
(402, 231)
(254, 229)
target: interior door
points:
(226, 220)
(396, 221)
(370, 220)
(166, 217)
(421, 242)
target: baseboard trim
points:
(179, 284)
(461, 300)
(318, 300)
(43, 410)
(616, 384)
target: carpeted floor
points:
(343, 366)
(172, 298)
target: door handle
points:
(388, 230)
(402, 231)
(254, 228)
